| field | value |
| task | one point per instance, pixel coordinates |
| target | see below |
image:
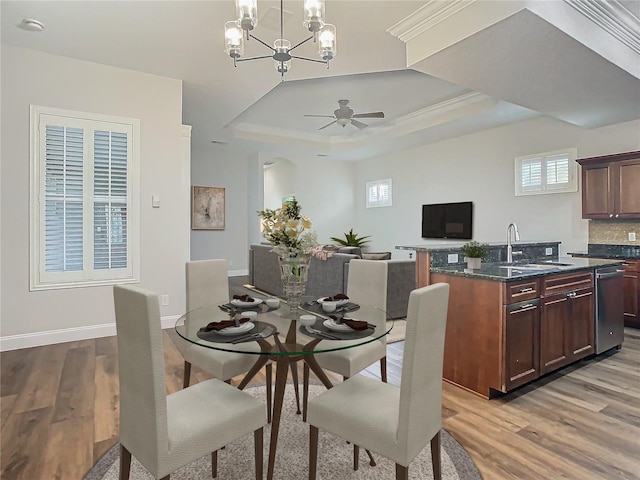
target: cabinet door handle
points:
(611, 215)
(617, 215)
(525, 290)
(524, 308)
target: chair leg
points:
(356, 456)
(269, 372)
(305, 391)
(294, 376)
(383, 369)
(214, 463)
(313, 451)
(258, 436)
(187, 374)
(125, 463)
(402, 473)
(436, 457)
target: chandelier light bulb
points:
(247, 11)
(313, 15)
(234, 41)
(327, 42)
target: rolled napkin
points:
(336, 297)
(223, 324)
(244, 298)
(354, 324)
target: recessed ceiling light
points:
(218, 142)
(31, 25)
(321, 155)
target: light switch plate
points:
(632, 236)
(548, 251)
(452, 258)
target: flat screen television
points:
(448, 220)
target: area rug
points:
(335, 456)
(398, 331)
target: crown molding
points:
(442, 108)
(426, 17)
(613, 18)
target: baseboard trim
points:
(50, 337)
(238, 273)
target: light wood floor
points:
(59, 414)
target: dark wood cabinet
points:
(610, 186)
(553, 333)
(631, 287)
(522, 343)
(567, 320)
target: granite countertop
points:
(458, 244)
(505, 273)
(595, 250)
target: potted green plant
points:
(474, 253)
(352, 240)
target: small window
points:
(549, 172)
(84, 219)
(379, 193)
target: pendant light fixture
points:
(237, 31)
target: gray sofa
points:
(328, 277)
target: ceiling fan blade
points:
(321, 116)
(327, 125)
(369, 115)
(358, 124)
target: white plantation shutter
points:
(531, 174)
(63, 210)
(378, 193)
(550, 172)
(84, 177)
(110, 200)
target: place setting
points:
(335, 327)
(239, 328)
(338, 303)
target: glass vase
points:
(294, 272)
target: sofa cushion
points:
(377, 256)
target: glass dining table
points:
(282, 339)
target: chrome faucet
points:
(512, 232)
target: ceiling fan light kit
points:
(237, 31)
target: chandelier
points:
(236, 31)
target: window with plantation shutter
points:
(84, 222)
(550, 172)
(379, 193)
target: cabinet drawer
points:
(631, 266)
(556, 284)
(521, 291)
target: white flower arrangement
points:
(288, 231)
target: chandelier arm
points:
(254, 58)
(310, 59)
(302, 42)
(265, 44)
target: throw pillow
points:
(377, 256)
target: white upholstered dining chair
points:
(207, 282)
(367, 284)
(394, 422)
(165, 432)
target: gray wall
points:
(35, 78)
(480, 167)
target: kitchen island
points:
(509, 324)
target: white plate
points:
(331, 324)
(240, 303)
(338, 302)
(243, 328)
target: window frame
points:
(545, 159)
(39, 279)
(377, 184)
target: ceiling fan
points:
(344, 116)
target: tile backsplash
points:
(614, 231)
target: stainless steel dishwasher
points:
(609, 309)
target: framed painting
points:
(208, 208)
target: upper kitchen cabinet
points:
(611, 186)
